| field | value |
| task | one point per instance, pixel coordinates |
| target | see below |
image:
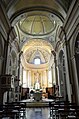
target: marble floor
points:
(38, 113)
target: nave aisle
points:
(37, 113)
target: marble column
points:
(55, 64)
(47, 77)
(33, 79)
(52, 74)
(29, 79)
(44, 79)
(21, 74)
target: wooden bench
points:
(13, 110)
(64, 109)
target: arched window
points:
(37, 61)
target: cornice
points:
(37, 8)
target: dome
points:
(37, 25)
(33, 49)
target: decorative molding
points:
(39, 8)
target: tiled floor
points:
(37, 113)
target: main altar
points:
(42, 103)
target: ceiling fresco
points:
(36, 23)
(36, 48)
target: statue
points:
(37, 85)
(37, 77)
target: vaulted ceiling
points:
(12, 6)
(36, 48)
(36, 23)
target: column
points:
(43, 81)
(32, 79)
(55, 62)
(58, 80)
(47, 77)
(1, 60)
(45, 73)
(52, 74)
(40, 79)
(24, 79)
(76, 83)
(21, 74)
(67, 75)
(29, 79)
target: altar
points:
(38, 96)
(42, 103)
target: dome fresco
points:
(37, 34)
(37, 25)
(36, 48)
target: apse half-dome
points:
(36, 49)
(37, 25)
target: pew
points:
(65, 110)
(13, 110)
